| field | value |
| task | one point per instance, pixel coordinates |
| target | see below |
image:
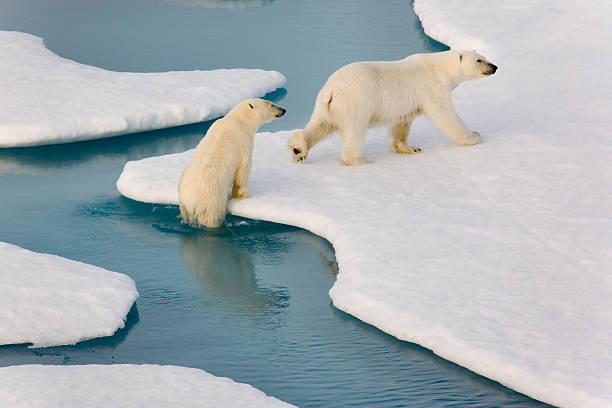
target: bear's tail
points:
(323, 103)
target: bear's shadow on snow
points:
(133, 146)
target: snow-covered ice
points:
(48, 300)
(497, 256)
(47, 99)
(101, 386)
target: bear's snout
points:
(492, 69)
(281, 112)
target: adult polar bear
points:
(223, 157)
(391, 93)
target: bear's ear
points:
(460, 58)
(251, 106)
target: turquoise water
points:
(248, 301)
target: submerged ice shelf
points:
(125, 385)
(48, 300)
(47, 99)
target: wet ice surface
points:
(267, 319)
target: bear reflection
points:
(226, 272)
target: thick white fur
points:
(222, 158)
(390, 93)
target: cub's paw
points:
(356, 161)
(403, 148)
(298, 147)
(474, 139)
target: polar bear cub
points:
(362, 95)
(222, 158)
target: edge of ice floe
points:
(120, 309)
(149, 385)
(84, 125)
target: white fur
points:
(390, 93)
(222, 158)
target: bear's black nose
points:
(282, 112)
(493, 68)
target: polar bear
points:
(222, 158)
(390, 93)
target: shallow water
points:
(248, 301)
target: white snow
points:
(101, 386)
(47, 99)
(497, 256)
(48, 300)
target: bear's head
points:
(473, 65)
(261, 111)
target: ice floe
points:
(48, 300)
(497, 256)
(47, 99)
(101, 386)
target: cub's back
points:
(215, 158)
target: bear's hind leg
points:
(353, 137)
(400, 133)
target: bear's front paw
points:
(474, 139)
(299, 155)
(298, 147)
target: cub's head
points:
(261, 110)
(473, 65)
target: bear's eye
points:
(251, 106)
(478, 60)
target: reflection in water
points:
(229, 4)
(225, 270)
